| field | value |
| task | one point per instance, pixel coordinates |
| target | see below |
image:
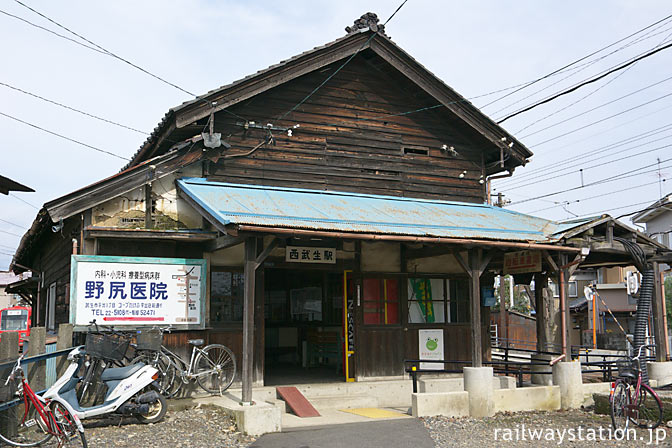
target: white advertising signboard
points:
(137, 291)
(431, 347)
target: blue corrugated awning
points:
(362, 213)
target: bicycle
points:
(26, 419)
(633, 401)
(148, 351)
(213, 366)
(103, 349)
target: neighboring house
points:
(344, 220)
(657, 218)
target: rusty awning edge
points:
(403, 238)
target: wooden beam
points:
(248, 319)
(475, 260)
(223, 242)
(148, 206)
(267, 251)
(485, 262)
(550, 261)
(462, 263)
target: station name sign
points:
(298, 254)
(522, 262)
(137, 291)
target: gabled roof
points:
(662, 205)
(228, 95)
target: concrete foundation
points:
(543, 379)
(478, 382)
(449, 404)
(567, 375)
(540, 398)
(255, 420)
(594, 388)
(660, 372)
(456, 384)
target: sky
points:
(608, 128)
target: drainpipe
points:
(489, 183)
(75, 248)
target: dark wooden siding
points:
(519, 331)
(349, 139)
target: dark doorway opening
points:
(303, 318)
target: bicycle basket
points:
(107, 346)
(8, 392)
(626, 367)
(149, 340)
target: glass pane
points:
(226, 296)
(426, 300)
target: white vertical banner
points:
(430, 346)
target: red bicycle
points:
(633, 401)
(26, 419)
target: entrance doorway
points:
(303, 319)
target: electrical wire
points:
(533, 173)
(103, 50)
(13, 224)
(602, 120)
(10, 233)
(64, 137)
(602, 163)
(578, 60)
(585, 83)
(558, 123)
(601, 181)
(73, 109)
(316, 89)
(24, 201)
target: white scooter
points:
(124, 396)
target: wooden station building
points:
(340, 208)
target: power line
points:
(297, 105)
(24, 201)
(13, 224)
(601, 149)
(593, 166)
(64, 137)
(577, 61)
(602, 120)
(576, 201)
(9, 233)
(50, 31)
(595, 108)
(601, 181)
(72, 108)
(103, 50)
(585, 83)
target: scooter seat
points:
(120, 373)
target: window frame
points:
(212, 323)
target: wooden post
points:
(37, 371)
(476, 336)
(564, 308)
(64, 341)
(658, 316)
(248, 318)
(148, 206)
(540, 282)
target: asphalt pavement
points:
(399, 433)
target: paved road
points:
(399, 433)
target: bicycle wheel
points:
(21, 424)
(619, 405)
(178, 368)
(67, 425)
(649, 409)
(163, 364)
(215, 368)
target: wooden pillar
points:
(563, 278)
(658, 316)
(248, 318)
(148, 206)
(540, 282)
(476, 336)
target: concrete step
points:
(326, 402)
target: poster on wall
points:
(136, 291)
(431, 347)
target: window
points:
(51, 307)
(416, 150)
(226, 296)
(438, 300)
(381, 301)
(572, 287)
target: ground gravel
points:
(198, 427)
(454, 432)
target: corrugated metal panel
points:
(351, 212)
(51, 365)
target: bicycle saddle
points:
(196, 342)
